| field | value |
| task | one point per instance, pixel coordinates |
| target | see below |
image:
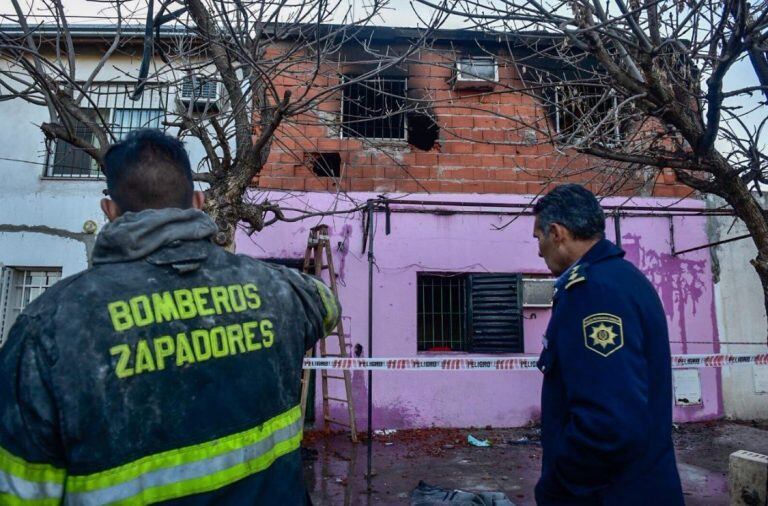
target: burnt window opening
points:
(423, 131)
(324, 164)
(374, 108)
(584, 109)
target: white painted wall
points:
(741, 317)
(29, 199)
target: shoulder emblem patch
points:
(575, 276)
(603, 333)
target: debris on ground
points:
(525, 440)
(484, 443)
(385, 432)
(428, 495)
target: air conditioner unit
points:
(477, 73)
(201, 92)
(538, 292)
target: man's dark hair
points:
(148, 170)
(575, 208)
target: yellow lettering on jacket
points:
(165, 307)
(165, 346)
(192, 348)
(144, 360)
(120, 314)
(184, 353)
(121, 368)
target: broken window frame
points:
(344, 131)
(559, 114)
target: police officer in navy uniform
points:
(169, 371)
(606, 402)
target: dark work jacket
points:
(168, 372)
(606, 402)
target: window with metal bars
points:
(480, 313)
(587, 109)
(113, 106)
(18, 287)
(374, 108)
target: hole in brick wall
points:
(423, 131)
(324, 164)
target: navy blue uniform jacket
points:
(606, 401)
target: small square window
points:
(483, 68)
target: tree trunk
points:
(222, 213)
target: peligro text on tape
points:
(506, 363)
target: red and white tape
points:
(504, 363)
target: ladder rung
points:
(337, 399)
(332, 356)
(330, 376)
(337, 422)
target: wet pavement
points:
(334, 468)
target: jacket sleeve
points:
(32, 464)
(321, 306)
(599, 347)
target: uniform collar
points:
(602, 250)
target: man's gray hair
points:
(575, 208)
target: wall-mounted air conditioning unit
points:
(538, 292)
(202, 92)
(475, 72)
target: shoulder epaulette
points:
(575, 277)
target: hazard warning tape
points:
(505, 363)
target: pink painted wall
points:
(471, 243)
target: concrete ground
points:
(335, 468)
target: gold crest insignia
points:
(603, 333)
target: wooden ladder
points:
(317, 258)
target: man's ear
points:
(111, 209)
(198, 200)
(558, 232)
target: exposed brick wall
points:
(482, 146)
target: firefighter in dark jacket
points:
(167, 372)
(606, 402)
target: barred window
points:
(582, 109)
(479, 313)
(18, 287)
(113, 106)
(374, 109)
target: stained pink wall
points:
(472, 243)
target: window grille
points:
(579, 108)
(374, 109)
(469, 312)
(111, 104)
(441, 312)
(19, 287)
